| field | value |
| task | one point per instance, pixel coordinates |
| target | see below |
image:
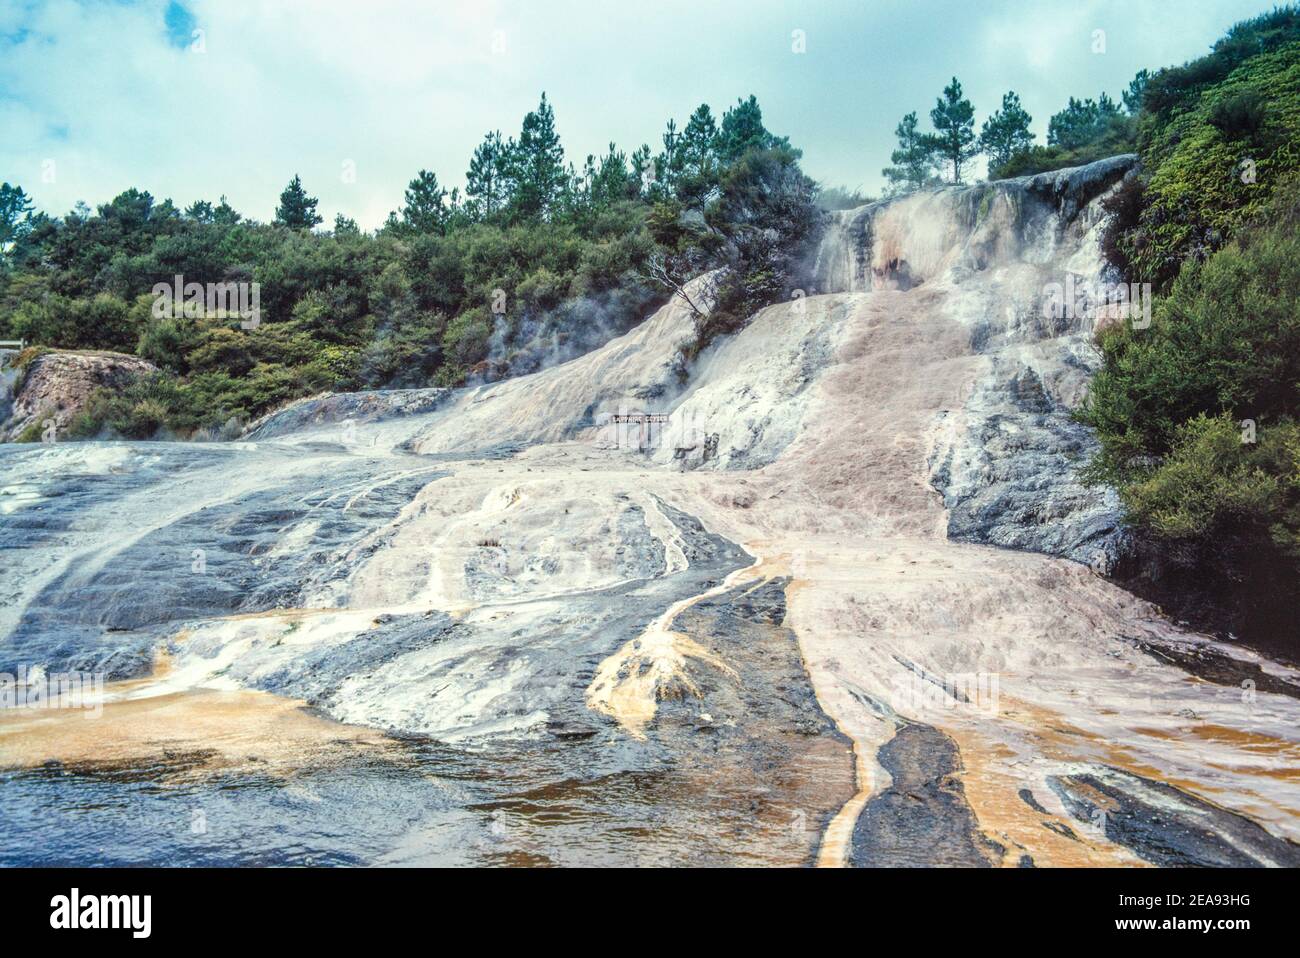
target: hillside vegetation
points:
(536, 261)
(1197, 415)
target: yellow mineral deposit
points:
(656, 665)
(196, 731)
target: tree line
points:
(572, 253)
(523, 180)
(1084, 131)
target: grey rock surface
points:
(1006, 457)
(340, 408)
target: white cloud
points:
(300, 86)
(277, 89)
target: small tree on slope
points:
(953, 117)
(912, 167)
(1006, 132)
(297, 210)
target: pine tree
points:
(953, 118)
(912, 167)
(1137, 87)
(460, 212)
(609, 181)
(743, 130)
(580, 196)
(425, 210)
(1081, 122)
(669, 163)
(200, 211)
(487, 182)
(15, 214)
(538, 165)
(297, 210)
(1006, 132)
(224, 214)
(642, 169)
(700, 142)
(574, 194)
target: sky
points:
(192, 99)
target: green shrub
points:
(1197, 418)
(1226, 340)
(1117, 135)
(31, 433)
(140, 410)
(1213, 165)
(222, 348)
(413, 303)
(1238, 115)
(467, 336)
(1215, 487)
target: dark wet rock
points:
(1167, 826)
(1232, 590)
(1012, 478)
(1212, 665)
(1028, 798)
(571, 731)
(765, 604)
(697, 542)
(317, 675)
(742, 627)
(1071, 189)
(1061, 829)
(922, 819)
(758, 721)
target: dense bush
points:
(1198, 421)
(1217, 136)
(536, 262)
(1114, 135)
(767, 218)
(1226, 339)
(1214, 487)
